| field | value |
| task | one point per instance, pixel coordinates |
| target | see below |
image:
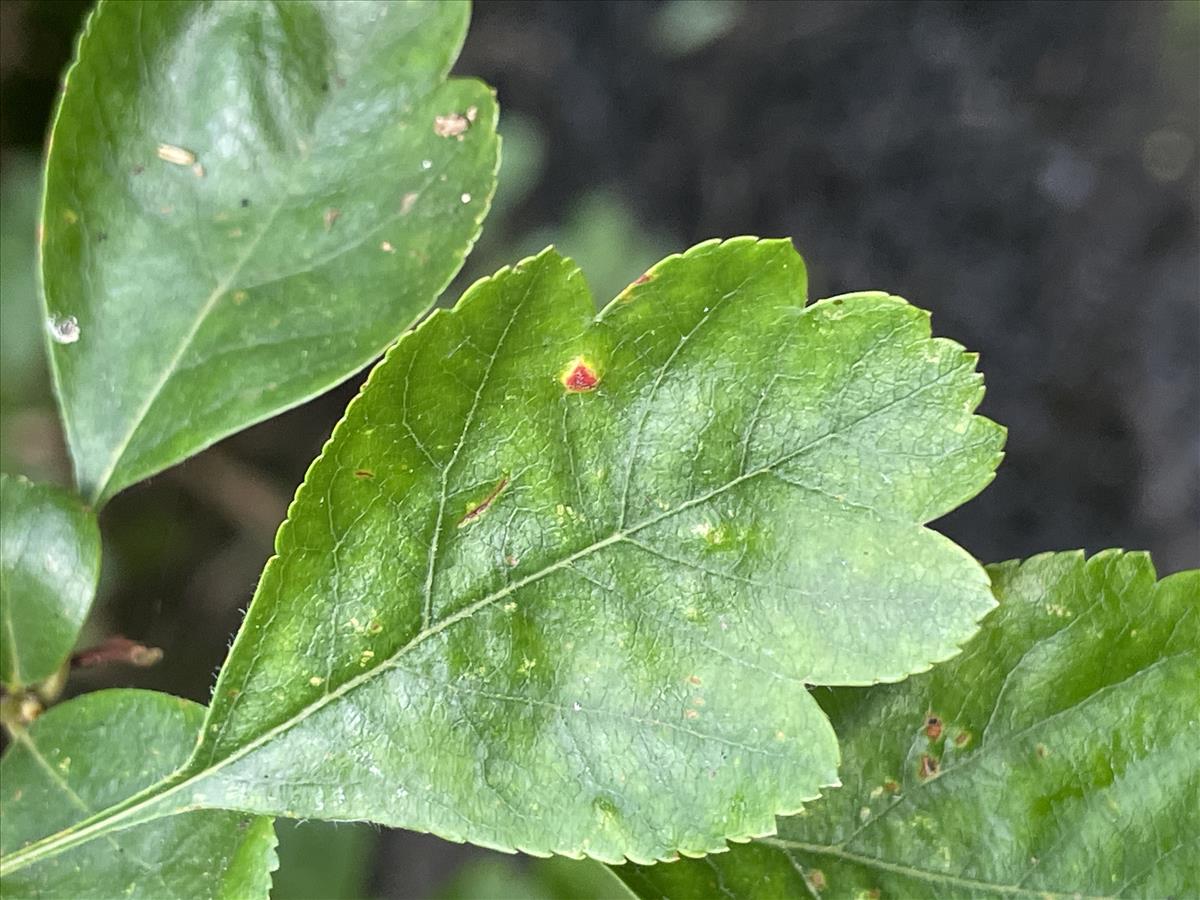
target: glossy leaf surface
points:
(559, 579)
(245, 203)
(49, 565)
(1056, 757)
(86, 754)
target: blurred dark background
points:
(1027, 171)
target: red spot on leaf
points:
(643, 278)
(933, 727)
(580, 377)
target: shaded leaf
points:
(556, 878)
(323, 860)
(1054, 757)
(558, 581)
(84, 755)
(245, 203)
(49, 565)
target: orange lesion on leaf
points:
(480, 508)
(627, 294)
(933, 726)
(928, 767)
(579, 376)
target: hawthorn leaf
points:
(245, 203)
(559, 580)
(1055, 757)
(83, 755)
(49, 566)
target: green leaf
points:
(1055, 757)
(558, 580)
(326, 208)
(49, 565)
(91, 751)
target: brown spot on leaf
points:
(1041, 751)
(892, 787)
(694, 680)
(363, 473)
(479, 509)
(962, 739)
(331, 216)
(928, 767)
(933, 727)
(816, 880)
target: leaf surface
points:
(559, 579)
(85, 754)
(1054, 758)
(245, 203)
(49, 565)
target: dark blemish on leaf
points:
(892, 787)
(873, 894)
(928, 767)
(1041, 751)
(245, 202)
(325, 86)
(331, 216)
(962, 739)
(816, 880)
(363, 473)
(139, 169)
(476, 511)
(579, 377)
(838, 302)
(642, 279)
(933, 727)
(101, 236)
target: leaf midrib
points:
(70, 837)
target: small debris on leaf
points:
(176, 155)
(454, 125)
